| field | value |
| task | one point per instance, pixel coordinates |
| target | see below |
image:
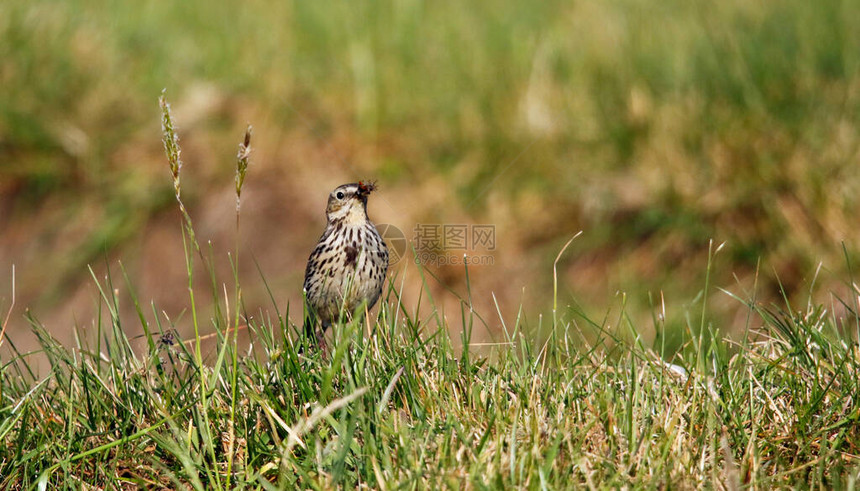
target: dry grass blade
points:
(9, 312)
(242, 159)
(555, 275)
(319, 413)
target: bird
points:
(347, 269)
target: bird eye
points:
(339, 195)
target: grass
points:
(395, 405)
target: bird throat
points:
(349, 216)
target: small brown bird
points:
(347, 268)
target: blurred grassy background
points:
(653, 127)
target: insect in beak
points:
(365, 188)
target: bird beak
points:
(365, 188)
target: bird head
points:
(349, 202)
